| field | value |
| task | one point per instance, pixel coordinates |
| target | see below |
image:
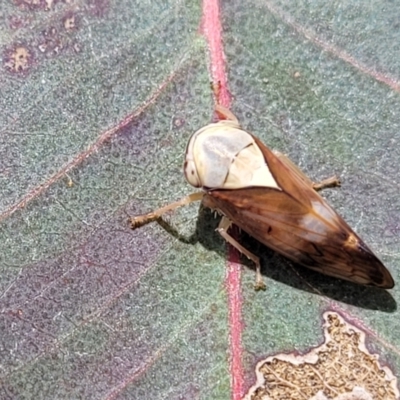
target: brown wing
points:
(298, 223)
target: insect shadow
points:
(283, 270)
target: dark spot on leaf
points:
(178, 122)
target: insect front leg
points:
(222, 229)
(224, 113)
(333, 181)
(140, 220)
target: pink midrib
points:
(212, 30)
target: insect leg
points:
(223, 231)
(224, 113)
(333, 181)
(329, 182)
(152, 216)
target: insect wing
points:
(299, 224)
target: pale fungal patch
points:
(223, 156)
(49, 4)
(341, 368)
(19, 59)
(69, 22)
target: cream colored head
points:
(223, 156)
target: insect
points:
(267, 196)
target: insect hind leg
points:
(222, 229)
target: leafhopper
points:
(267, 196)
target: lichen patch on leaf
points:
(341, 368)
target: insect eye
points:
(191, 175)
